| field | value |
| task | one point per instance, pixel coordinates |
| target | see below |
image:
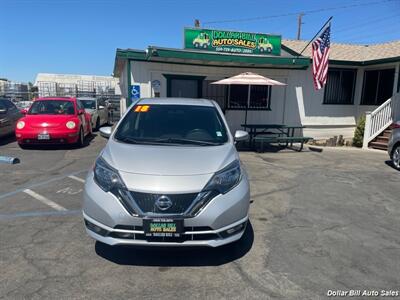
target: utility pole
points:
(299, 23)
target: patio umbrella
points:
(248, 78)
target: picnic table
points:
(274, 133)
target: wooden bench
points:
(283, 139)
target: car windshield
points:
(172, 124)
(89, 104)
(52, 107)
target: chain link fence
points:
(23, 94)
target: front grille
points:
(183, 238)
(147, 202)
(186, 228)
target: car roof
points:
(177, 101)
(56, 98)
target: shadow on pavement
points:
(390, 164)
(177, 256)
(5, 140)
(87, 142)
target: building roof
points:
(73, 78)
(352, 52)
(208, 58)
(341, 54)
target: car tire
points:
(396, 157)
(81, 138)
(23, 146)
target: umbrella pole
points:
(247, 105)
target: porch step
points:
(387, 133)
(378, 145)
(382, 140)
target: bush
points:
(359, 133)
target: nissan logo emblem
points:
(163, 203)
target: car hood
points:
(47, 121)
(168, 160)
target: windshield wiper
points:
(186, 141)
(131, 140)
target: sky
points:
(81, 36)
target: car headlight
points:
(106, 176)
(108, 179)
(226, 179)
(70, 124)
(20, 124)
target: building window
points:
(377, 87)
(340, 86)
(260, 97)
(215, 92)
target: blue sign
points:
(135, 91)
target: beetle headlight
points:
(226, 179)
(20, 124)
(70, 124)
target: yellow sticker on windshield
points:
(142, 108)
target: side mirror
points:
(24, 111)
(105, 131)
(241, 135)
(101, 107)
(81, 111)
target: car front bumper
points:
(56, 136)
(223, 220)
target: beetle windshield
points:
(173, 124)
(52, 107)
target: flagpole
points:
(323, 26)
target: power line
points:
(296, 13)
(371, 22)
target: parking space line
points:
(55, 178)
(44, 200)
(76, 178)
(39, 214)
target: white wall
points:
(296, 104)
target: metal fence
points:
(63, 91)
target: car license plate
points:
(43, 136)
(163, 228)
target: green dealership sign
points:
(232, 41)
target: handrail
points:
(379, 119)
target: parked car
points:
(54, 120)
(23, 106)
(9, 115)
(394, 145)
(169, 175)
(97, 109)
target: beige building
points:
(360, 79)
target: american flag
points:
(320, 56)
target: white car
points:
(97, 110)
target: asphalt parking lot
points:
(319, 221)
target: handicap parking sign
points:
(135, 91)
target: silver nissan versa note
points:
(168, 176)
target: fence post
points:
(367, 129)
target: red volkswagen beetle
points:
(54, 120)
